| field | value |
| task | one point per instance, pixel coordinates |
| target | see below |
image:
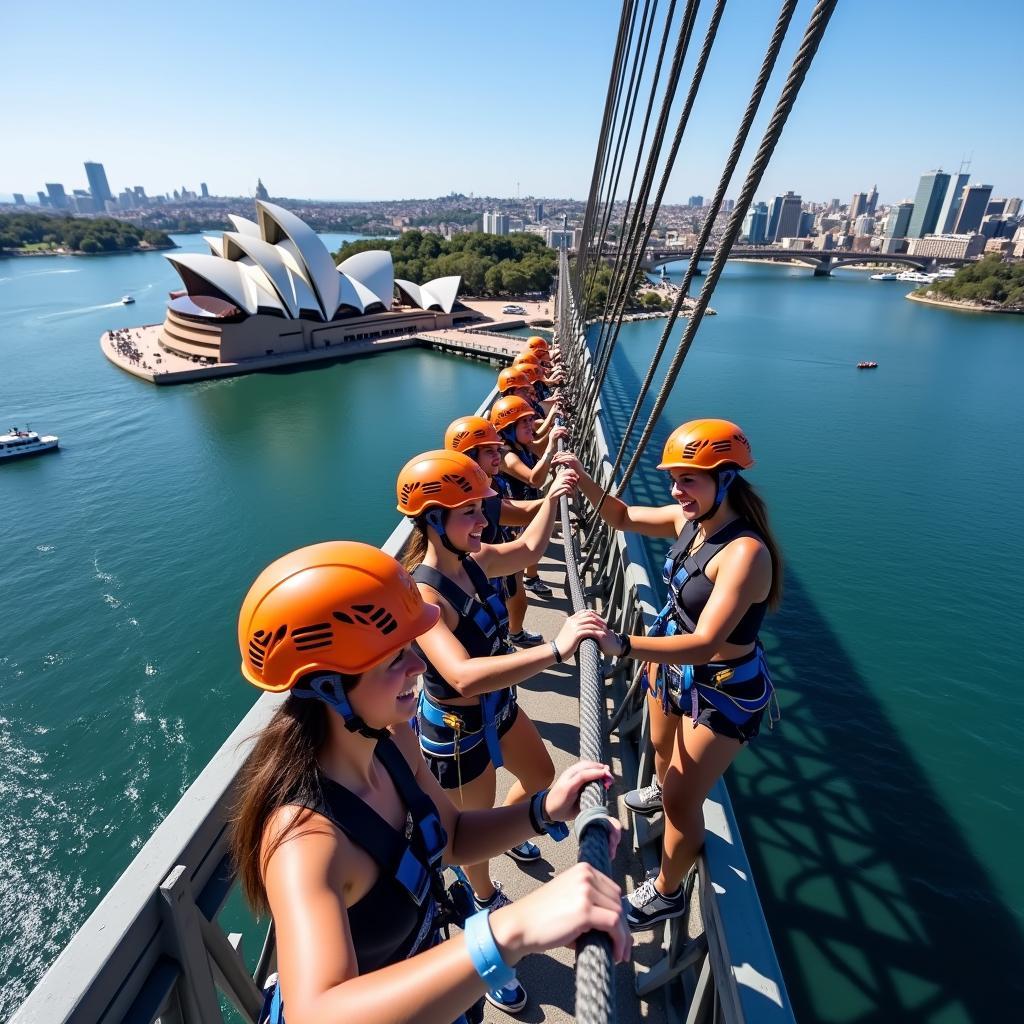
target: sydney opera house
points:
(270, 288)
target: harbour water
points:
(881, 817)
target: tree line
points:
(489, 265)
(990, 281)
(76, 234)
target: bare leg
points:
(516, 605)
(527, 759)
(473, 796)
(698, 760)
(663, 731)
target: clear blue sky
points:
(392, 99)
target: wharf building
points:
(271, 289)
(961, 247)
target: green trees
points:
(990, 281)
(488, 264)
(76, 234)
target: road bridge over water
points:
(823, 261)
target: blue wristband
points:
(484, 952)
(557, 830)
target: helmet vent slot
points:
(306, 638)
(692, 447)
(459, 480)
(262, 642)
(369, 615)
(722, 446)
(459, 438)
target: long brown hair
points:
(745, 501)
(282, 769)
(415, 548)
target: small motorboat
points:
(867, 366)
(18, 443)
(884, 276)
(126, 300)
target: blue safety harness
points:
(710, 681)
(483, 631)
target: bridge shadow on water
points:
(878, 908)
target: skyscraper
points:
(973, 207)
(203, 190)
(98, 187)
(57, 196)
(931, 191)
(755, 224)
(538, 212)
(784, 218)
(19, 199)
(951, 204)
(806, 224)
(697, 201)
(872, 200)
(898, 221)
(858, 205)
(261, 190)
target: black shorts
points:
(454, 772)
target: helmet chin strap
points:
(435, 520)
(723, 481)
(327, 687)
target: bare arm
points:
(648, 520)
(519, 513)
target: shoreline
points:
(13, 253)
(960, 306)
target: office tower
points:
(898, 221)
(538, 212)
(486, 224)
(203, 190)
(973, 206)
(806, 224)
(833, 206)
(499, 222)
(755, 224)
(951, 203)
(728, 205)
(44, 199)
(57, 196)
(98, 187)
(19, 199)
(126, 200)
(995, 208)
(784, 217)
(872, 200)
(697, 201)
(1012, 207)
(864, 225)
(858, 205)
(931, 191)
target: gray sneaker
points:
(645, 907)
(646, 800)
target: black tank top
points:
(387, 926)
(517, 489)
(690, 589)
(482, 628)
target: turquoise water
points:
(883, 816)
(125, 556)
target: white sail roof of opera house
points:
(280, 266)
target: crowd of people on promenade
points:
(123, 343)
(379, 770)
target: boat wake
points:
(80, 312)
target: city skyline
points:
(459, 140)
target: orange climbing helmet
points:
(469, 432)
(532, 372)
(441, 479)
(508, 411)
(706, 445)
(337, 607)
(526, 357)
(536, 342)
(512, 377)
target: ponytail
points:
(746, 502)
(415, 548)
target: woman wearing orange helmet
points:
(339, 830)
(470, 721)
(525, 463)
(518, 380)
(723, 573)
(476, 437)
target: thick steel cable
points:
(632, 94)
(583, 251)
(753, 104)
(801, 64)
(609, 103)
(625, 232)
(637, 248)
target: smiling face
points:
(386, 692)
(694, 489)
(464, 525)
(487, 457)
(524, 430)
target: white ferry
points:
(17, 443)
(916, 277)
(126, 300)
(884, 276)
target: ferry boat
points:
(867, 365)
(18, 443)
(884, 276)
(916, 277)
(126, 300)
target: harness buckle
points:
(720, 678)
(452, 721)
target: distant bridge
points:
(824, 261)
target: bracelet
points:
(542, 824)
(557, 653)
(484, 952)
(625, 643)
